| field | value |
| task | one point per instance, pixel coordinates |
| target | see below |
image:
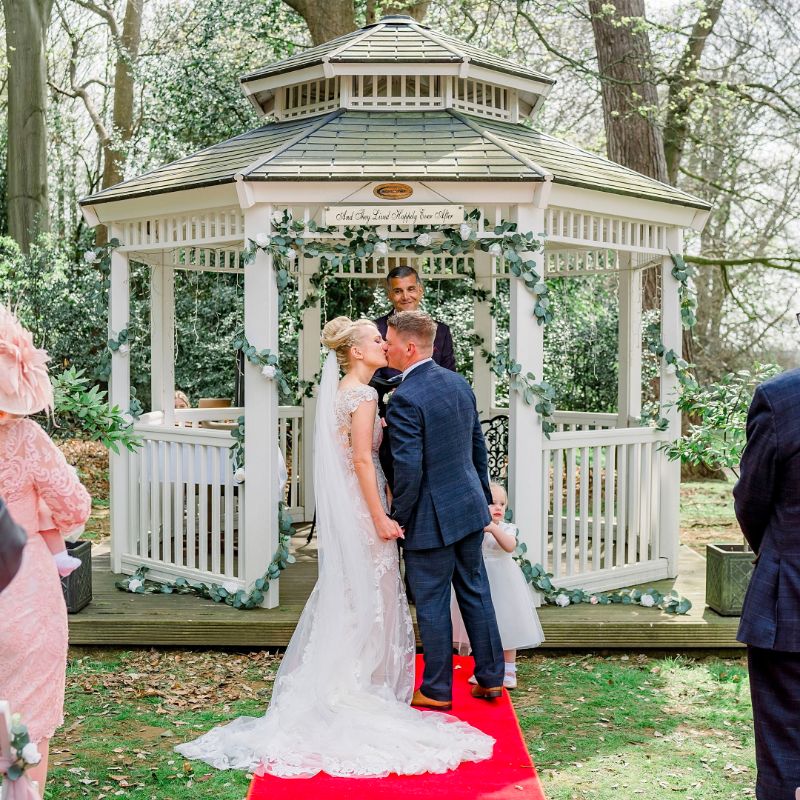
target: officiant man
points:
(404, 290)
(767, 504)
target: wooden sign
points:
(394, 215)
(393, 191)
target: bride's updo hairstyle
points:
(342, 333)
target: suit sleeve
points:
(447, 359)
(755, 489)
(12, 543)
(480, 458)
(404, 425)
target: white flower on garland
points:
(268, 371)
(382, 232)
(594, 600)
(90, 256)
(495, 250)
(238, 476)
(380, 249)
(262, 240)
(465, 229)
(670, 369)
(424, 239)
(277, 218)
(134, 584)
(230, 587)
(291, 254)
(562, 600)
(124, 349)
(30, 753)
(647, 601)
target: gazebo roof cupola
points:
(396, 64)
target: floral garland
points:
(24, 752)
(227, 593)
(536, 576)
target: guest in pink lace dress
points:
(33, 633)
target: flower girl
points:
(514, 601)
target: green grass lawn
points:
(597, 726)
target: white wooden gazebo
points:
(596, 503)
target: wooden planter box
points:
(78, 586)
(728, 571)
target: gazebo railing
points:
(185, 509)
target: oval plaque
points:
(393, 191)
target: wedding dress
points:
(340, 702)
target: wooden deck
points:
(120, 618)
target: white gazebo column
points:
(672, 338)
(260, 540)
(629, 398)
(482, 376)
(526, 466)
(308, 367)
(162, 341)
(119, 394)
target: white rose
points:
(562, 600)
(30, 753)
(465, 230)
(594, 600)
(670, 369)
(134, 584)
(382, 232)
(238, 476)
(424, 239)
(90, 256)
(262, 240)
(647, 601)
(291, 254)
(230, 587)
(268, 371)
(495, 250)
(124, 349)
(380, 249)
(277, 218)
(16, 719)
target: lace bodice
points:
(348, 399)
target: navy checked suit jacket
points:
(441, 485)
(767, 503)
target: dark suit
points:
(442, 355)
(12, 543)
(441, 499)
(767, 503)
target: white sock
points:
(511, 667)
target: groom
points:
(441, 500)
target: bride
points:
(340, 702)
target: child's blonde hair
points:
(502, 489)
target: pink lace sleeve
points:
(56, 481)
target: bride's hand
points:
(387, 528)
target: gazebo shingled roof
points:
(401, 145)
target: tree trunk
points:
(26, 35)
(326, 20)
(127, 53)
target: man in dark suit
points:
(767, 503)
(441, 499)
(404, 290)
(12, 543)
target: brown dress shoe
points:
(487, 692)
(420, 701)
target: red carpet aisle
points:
(508, 774)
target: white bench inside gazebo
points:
(596, 502)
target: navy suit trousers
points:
(430, 574)
(775, 693)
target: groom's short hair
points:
(415, 325)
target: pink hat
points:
(25, 386)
